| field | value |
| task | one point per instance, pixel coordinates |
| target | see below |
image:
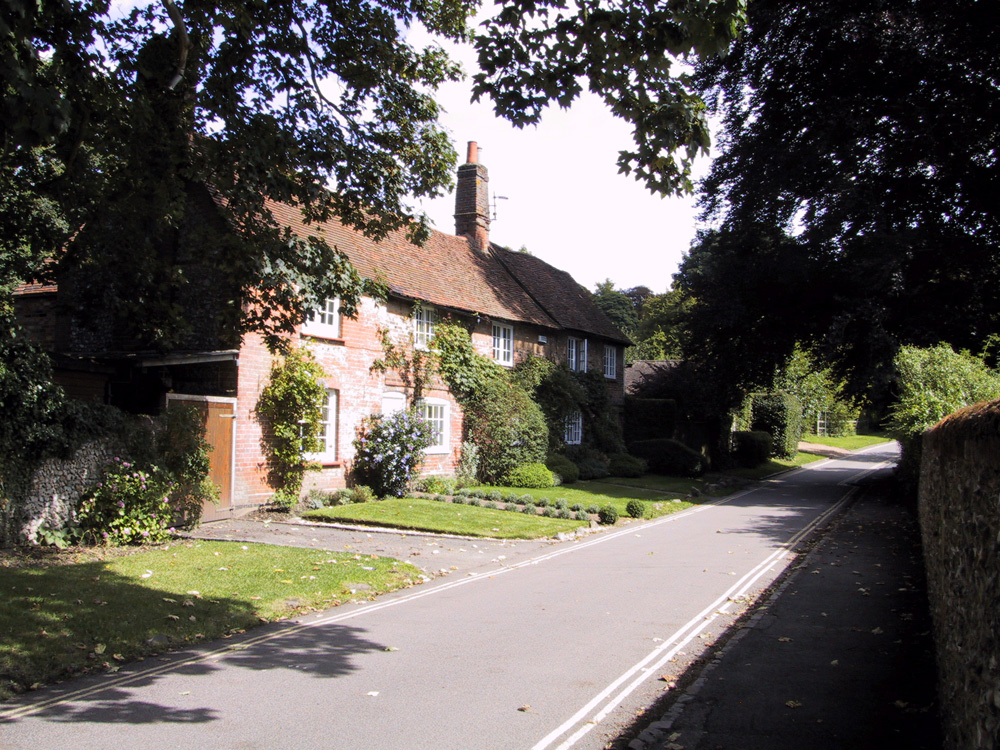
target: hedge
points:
(649, 418)
(779, 415)
(669, 457)
(751, 448)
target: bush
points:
(510, 506)
(388, 450)
(468, 464)
(669, 457)
(635, 508)
(593, 509)
(475, 501)
(649, 418)
(624, 465)
(494, 495)
(542, 502)
(533, 475)
(591, 462)
(528, 508)
(751, 448)
(933, 383)
(780, 416)
(608, 515)
(582, 516)
(526, 498)
(435, 485)
(126, 507)
(563, 467)
(363, 494)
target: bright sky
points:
(566, 201)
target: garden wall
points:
(56, 488)
(960, 524)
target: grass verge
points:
(70, 613)
(848, 442)
(419, 514)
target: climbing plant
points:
(289, 410)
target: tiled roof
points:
(446, 271)
(649, 378)
(556, 291)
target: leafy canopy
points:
(851, 207)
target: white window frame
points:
(576, 354)
(573, 430)
(324, 322)
(610, 362)
(503, 344)
(329, 429)
(425, 318)
(443, 442)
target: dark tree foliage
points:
(107, 124)
(617, 305)
(853, 204)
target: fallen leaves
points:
(793, 704)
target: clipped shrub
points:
(563, 513)
(576, 506)
(608, 515)
(494, 495)
(649, 418)
(751, 448)
(492, 505)
(780, 416)
(526, 498)
(670, 457)
(591, 462)
(363, 494)
(533, 475)
(549, 512)
(477, 502)
(563, 467)
(435, 485)
(635, 508)
(528, 508)
(510, 506)
(624, 465)
(582, 516)
(542, 502)
(593, 509)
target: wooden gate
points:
(220, 430)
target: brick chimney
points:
(472, 201)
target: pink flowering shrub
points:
(129, 506)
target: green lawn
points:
(420, 514)
(848, 442)
(59, 620)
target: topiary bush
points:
(561, 465)
(608, 515)
(624, 465)
(533, 475)
(751, 448)
(635, 508)
(591, 463)
(670, 457)
(780, 416)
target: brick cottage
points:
(514, 303)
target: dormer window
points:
(424, 320)
(324, 322)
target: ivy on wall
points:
(289, 410)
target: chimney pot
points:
(472, 153)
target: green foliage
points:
(780, 416)
(107, 124)
(388, 450)
(590, 462)
(435, 485)
(661, 333)
(289, 410)
(183, 453)
(855, 234)
(932, 383)
(608, 515)
(128, 506)
(819, 392)
(752, 448)
(669, 457)
(635, 508)
(648, 418)
(540, 53)
(363, 494)
(533, 475)
(468, 464)
(563, 467)
(501, 419)
(624, 465)
(617, 305)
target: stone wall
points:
(960, 524)
(56, 489)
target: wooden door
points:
(220, 427)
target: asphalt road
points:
(553, 646)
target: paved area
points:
(840, 655)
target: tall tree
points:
(616, 305)
(852, 206)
